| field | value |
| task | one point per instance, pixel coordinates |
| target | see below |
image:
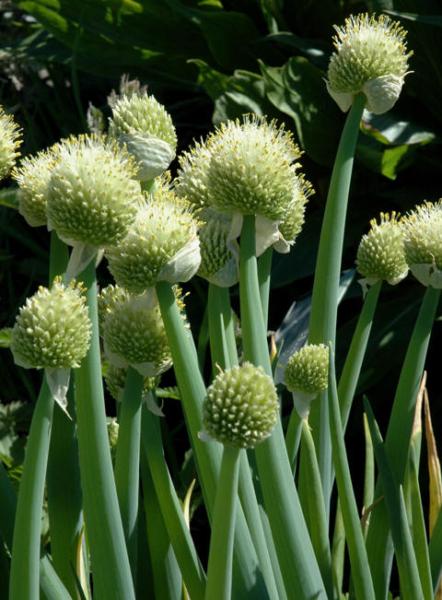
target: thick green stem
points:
(25, 559)
(397, 441)
(127, 461)
(111, 568)
(173, 517)
(264, 276)
(293, 437)
(208, 458)
(298, 564)
(361, 576)
(315, 510)
(328, 268)
(219, 571)
(227, 357)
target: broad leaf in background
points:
(298, 90)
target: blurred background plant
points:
(206, 61)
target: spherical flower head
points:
(191, 181)
(371, 57)
(219, 264)
(108, 298)
(141, 123)
(10, 140)
(32, 176)
(115, 379)
(294, 218)
(92, 198)
(53, 329)
(381, 252)
(134, 335)
(161, 245)
(241, 407)
(423, 243)
(252, 170)
(307, 369)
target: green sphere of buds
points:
(381, 252)
(423, 243)
(251, 169)
(218, 264)
(33, 176)
(134, 335)
(53, 329)
(113, 429)
(371, 57)
(294, 217)
(161, 245)
(10, 140)
(191, 181)
(108, 298)
(92, 198)
(307, 369)
(141, 123)
(241, 407)
(115, 379)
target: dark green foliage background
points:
(209, 60)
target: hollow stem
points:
(25, 558)
(379, 546)
(111, 568)
(264, 276)
(219, 572)
(298, 564)
(361, 576)
(322, 328)
(127, 461)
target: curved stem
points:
(323, 316)
(25, 562)
(298, 564)
(127, 461)
(111, 568)
(219, 571)
(264, 273)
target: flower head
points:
(241, 408)
(33, 175)
(115, 379)
(191, 182)
(252, 168)
(134, 335)
(142, 123)
(53, 329)
(161, 245)
(423, 243)
(219, 265)
(293, 221)
(92, 197)
(381, 252)
(307, 369)
(371, 57)
(10, 140)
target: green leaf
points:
(388, 129)
(298, 90)
(388, 162)
(435, 20)
(8, 198)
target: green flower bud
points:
(134, 335)
(115, 379)
(371, 57)
(241, 408)
(113, 429)
(161, 245)
(294, 218)
(10, 140)
(423, 243)
(92, 198)
(381, 252)
(32, 176)
(307, 369)
(142, 123)
(53, 329)
(219, 265)
(252, 168)
(191, 182)
(109, 297)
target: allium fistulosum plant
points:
(119, 526)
